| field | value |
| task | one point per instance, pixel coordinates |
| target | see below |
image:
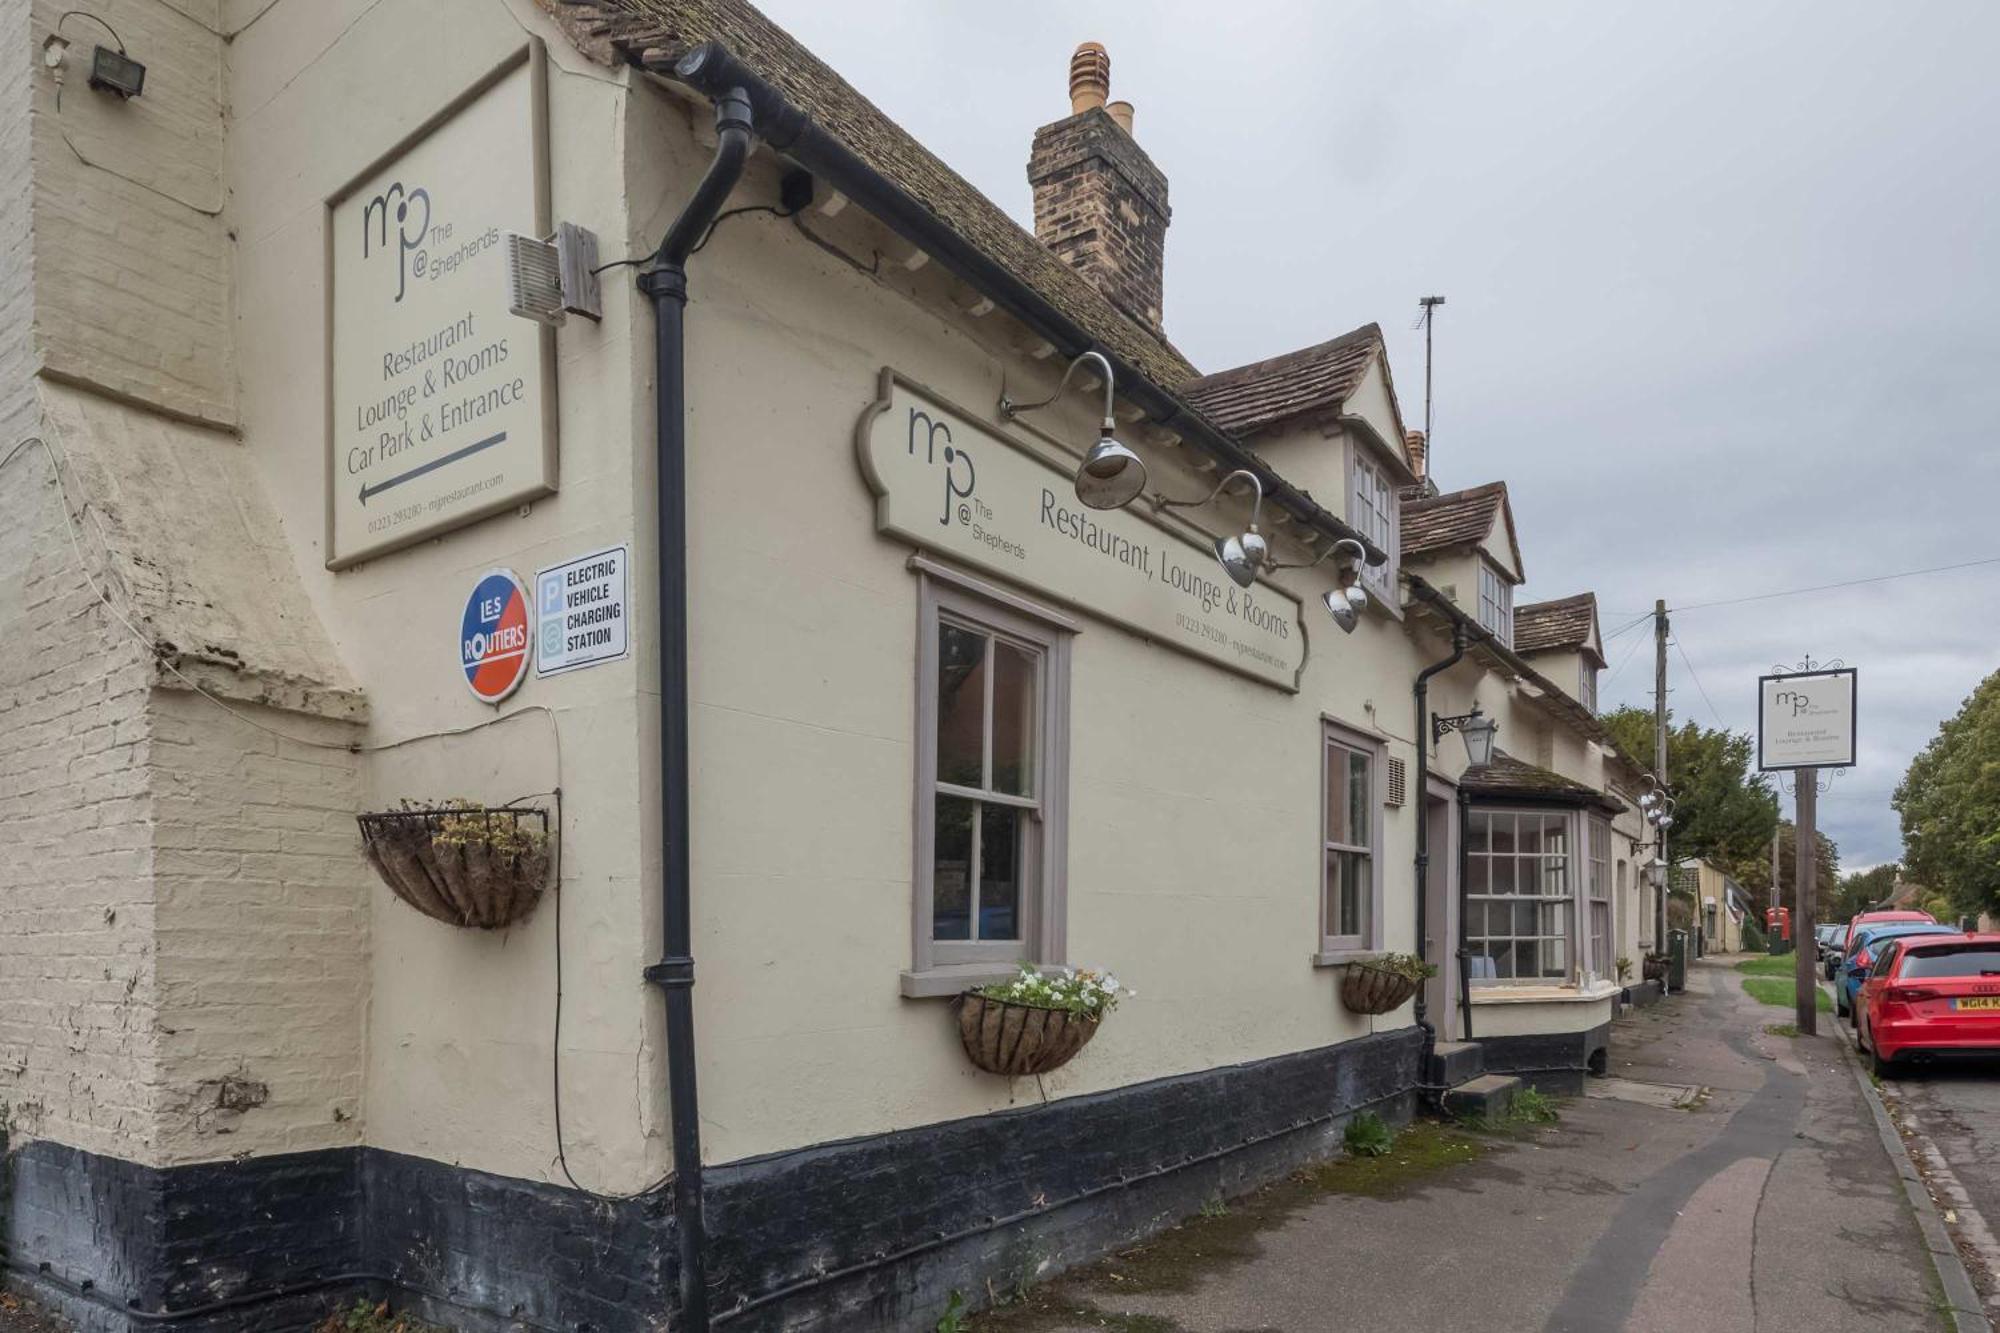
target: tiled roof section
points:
(1566, 623)
(1284, 388)
(1456, 518)
(676, 26)
(1507, 776)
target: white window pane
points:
(1001, 830)
(1015, 722)
(951, 869)
(961, 705)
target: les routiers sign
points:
(443, 403)
(965, 490)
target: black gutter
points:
(1422, 691)
(712, 70)
(665, 281)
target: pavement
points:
(1723, 1178)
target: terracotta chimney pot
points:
(1089, 77)
(1122, 113)
(1419, 449)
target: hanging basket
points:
(1002, 1037)
(1367, 989)
(464, 865)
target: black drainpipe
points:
(1464, 954)
(665, 281)
(1423, 735)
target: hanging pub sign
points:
(948, 483)
(442, 405)
(1805, 719)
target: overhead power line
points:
(1847, 583)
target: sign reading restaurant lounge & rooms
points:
(962, 489)
(443, 403)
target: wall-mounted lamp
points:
(1345, 601)
(110, 71)
(1244, 554)
(1112, 475)
(1657, 803)
(1478, 730)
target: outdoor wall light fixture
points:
(1657, 803)
(1345, 601)
(1240, 556)
(1478, 731)
(1112, 476)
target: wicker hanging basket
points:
(1367, 989)
(1002, 1037)
(466, 865)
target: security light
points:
(1112, 476)
(115, 72)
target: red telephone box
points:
(1778, 923)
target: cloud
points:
(1720, 283)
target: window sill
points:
(1505, 994)
(1342, 957)
(940, 983)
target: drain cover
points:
(1666, 1096)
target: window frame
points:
(1597, 875)
(1502, 600)
(947, 967)
(1586, 684)
(1336, 948)
(1576, 867)
(1377, 579)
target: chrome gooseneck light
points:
(1244, 554)
(1345, 601)
(1112, 476)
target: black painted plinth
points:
(873, 1232)
(1553, 1062)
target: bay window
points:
(1520, 895)
(992, 770)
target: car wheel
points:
(1839, 1004)
(1881, 1068)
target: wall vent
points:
(1398, 784)
(548, 281)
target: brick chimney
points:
(1100, 203)
(1419, 450)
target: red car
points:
(1876, 918)
(1930, 997)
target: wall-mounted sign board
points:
(443, 405)
(584, 612)
(493, 636)
(1805, 719)
(948, 483)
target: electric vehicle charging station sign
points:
(494, 636)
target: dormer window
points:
(1496, 603)
(1374, 517)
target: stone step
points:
(1455, 1062)
(1486, 1097)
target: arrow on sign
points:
(432, 466)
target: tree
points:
(1949, 801)
(1863, 889)
(1724, 810)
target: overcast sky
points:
(1721, 285)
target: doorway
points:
(1441, 909)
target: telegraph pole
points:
(1804, 872)
(1660, 755)
(1771, 943)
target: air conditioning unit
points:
(550, 280)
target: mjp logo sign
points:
(957, 467)
(410, 232)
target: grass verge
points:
(1782, 992)
(1780, 966)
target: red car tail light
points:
(1861, 959)
(1908, 994)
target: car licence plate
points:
(1976, 1002)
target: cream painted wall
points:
(460, 1023)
